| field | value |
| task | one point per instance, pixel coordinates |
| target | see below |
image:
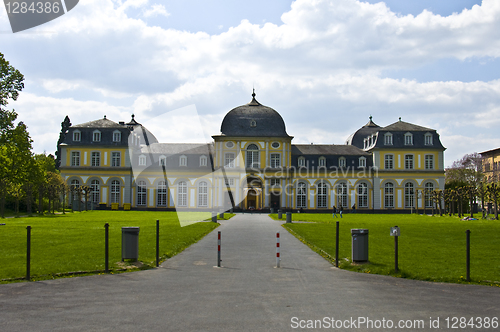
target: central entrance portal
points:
(253, 199)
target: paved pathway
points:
(248, 294)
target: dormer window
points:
(203, 161)
(117, 136)
(302, 161)
(428, 139)
(365, 143)
(322, 161)
(408, 139)
(96, 136)
(342, 162)
(183, 161)
(388, 139)
(362, 162)
(162, 161)
(77, 136)
(253, 123)
(142, 160)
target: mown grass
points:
(430, 248)
(75, 241)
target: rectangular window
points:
(409, 161)
(322, 162)
(96, 159)
(302, 162)
(388, 139)
(275, 182)
(362, 162)
(428, 139)
(142, 160)
(275, 160)
(229, 181)
(75, 158)
(389, 161)
(183, 161)
(408, 139)
(342, 162)
(429, 162)
(76, 136)
(229, 160)
(97, 136)
(115, 159)
(117, 137)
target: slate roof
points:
(268, 122)
(405, 126)
(327, 149)
(101, 123)
(178, 148)
(358, 137)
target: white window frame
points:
(203, 194)
(429, 161)
(75, 158)
(428, 139)
(275, 182)
(182, 192)
(409, 162)
(362, 191)
(95, 191)
(342, 162)
(77, 136)
(115, 192)
(388, 139)
(322, 195)
(301, 195)
(428, 189)
(342, 197)
(275, 160)
(142, 160)
(203, 160)
(322, 161)
(389, 161)
(229, 160)
(408, 139)
(96, 136)
(253, 160)
(183, 161)
(161, 193)
(409, 195)
(162, 161)
(95, 159)
(362, 162)
(117, 136)
(142, 193)
(389, 195)
(302, 162)
(116, 159)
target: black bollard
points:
(337, 246)
(28, 253)
(106, 247)
(157, 243)
(467, 232)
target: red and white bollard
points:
(218, 250)
(278, 259)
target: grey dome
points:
(252, 120)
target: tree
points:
(11, 82)
(64, 130)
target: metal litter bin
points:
(280, 214)
(130, 243)
(288, 217)
(359, 245)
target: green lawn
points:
(75, 241)
(430, 248)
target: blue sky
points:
(325, 65)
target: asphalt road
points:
(187, 293)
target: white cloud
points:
(156, 10)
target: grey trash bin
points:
(359, 245)
(272, 210)
(130, 243)
(280, 214)
(288, 217)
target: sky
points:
(324, 65)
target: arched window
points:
(95, 196)
(202, 194)
(322, 195)
(141, 193)
(301, 195)
(161, 192)
(429, 188)
(362, 195)
(182, 193)
(389, 195)
(252, 156)
(203, 161)
(183, 161)
(342, 195)
(115, 191)
(409, 195)
(142, 160)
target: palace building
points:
(253, 164)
